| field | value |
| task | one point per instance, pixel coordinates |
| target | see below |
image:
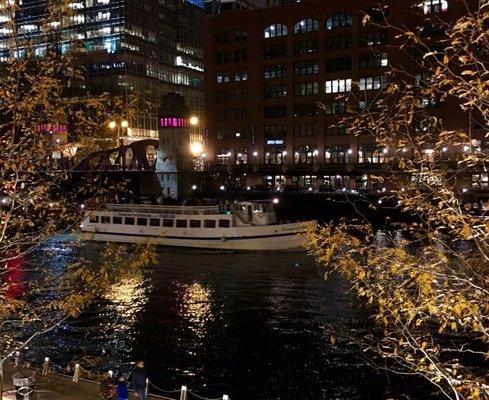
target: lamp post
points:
(122, 124)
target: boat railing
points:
(156, 209)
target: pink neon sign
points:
(173, 122)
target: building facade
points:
(272, 67)
(150, 48)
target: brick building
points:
(268, 69)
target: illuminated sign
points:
(173, 122)
(275, 141)
(52, 128)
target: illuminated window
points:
(337, 86)
(338, 21)
(275, 30)
(306, 25)
(434, 6)
(372, 82)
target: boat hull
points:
(266, 238)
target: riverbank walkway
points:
(54, 386)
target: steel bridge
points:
(134, 157)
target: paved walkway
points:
(61, 387)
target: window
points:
(338, 21)
(372, 82)
(275, 155)
(306, 68)
(337, 64)
(373, 61)
(275, 91)
(305, 110)
(195, 223)
(223, 77)
(278, 111)
(338, 155)
(304, 129)
(240, 55)
(337, 86)
(434, 6)
(480, 181)
(129, 221)
(275, 30)
(181, 223)
(335, 107)
(422, 78)
(370, 154)
(222, 57)
(306, 88)
(117, 220)
(224, 223)
(305, 155)
(276, 50)
(142, 221)
(209, 223)
(167, 223)
(338, 42)
(275, 131)
(223, 156)
(154, 222)
(306, 25)
(373, 37)
(306, 46)
(274, 71)
(336, 130)
(105, 220)
(94, 219)
(240, 76)
(241, 156)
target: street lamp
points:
(194, 121)
(196, 148)
(123, 124)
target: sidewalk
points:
(61, 387)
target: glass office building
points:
(149, 47)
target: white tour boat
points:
(243, 226)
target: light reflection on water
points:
(195, 306)
(255, 326)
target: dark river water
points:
(250, 325)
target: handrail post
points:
(183, 393)
(76, 373)
(16, 360)
(146, 390)
(45, 366)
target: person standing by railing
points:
(139, 377)
(106, 387)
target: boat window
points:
(154, 222)
(105, 220)
(117, 220)
(224, 223)
(209, 223)
(142, 221)
(181, 223)
(168, 223)
(256, 207)
(94, 219)
(195, 223)
(129, 221)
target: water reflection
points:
(127, 298)
(195, 306)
